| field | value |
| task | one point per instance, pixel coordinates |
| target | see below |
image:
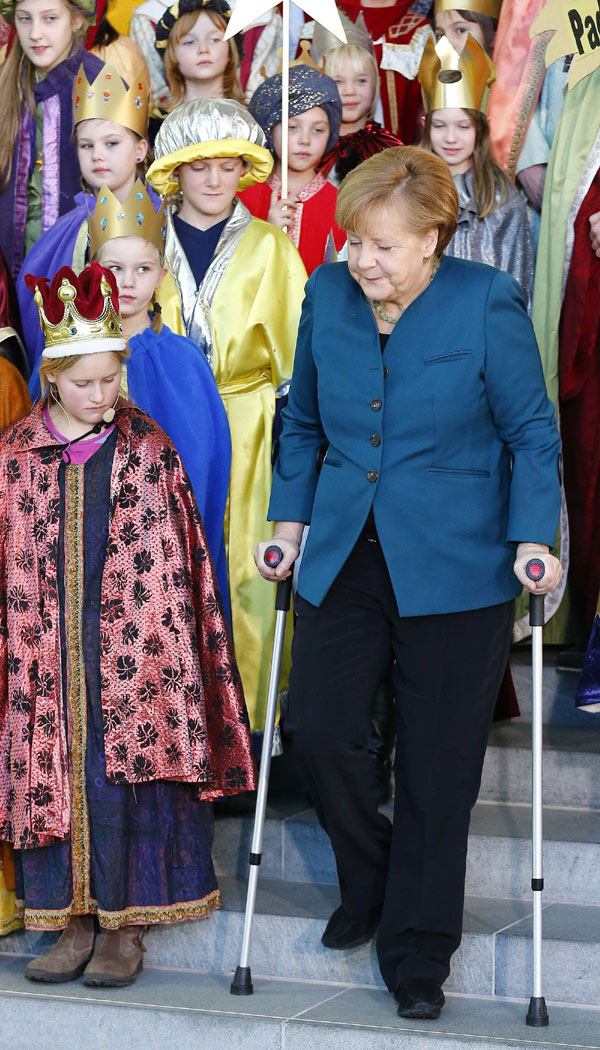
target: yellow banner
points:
(576, 28)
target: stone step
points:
(559, 688)
(494, 958)
(296, 848)
(571, 765)
(190, 1009)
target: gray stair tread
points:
(295, 1014)
(497, 819)
(499, 915)
(516, 733)
(513, 820)
(317, 901)
(578, 923)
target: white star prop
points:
(323, 11)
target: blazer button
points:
(375, 440)
(376, 404)
(386, 371)
(372, 475)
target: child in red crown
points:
(121, 710)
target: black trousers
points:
(446, 676)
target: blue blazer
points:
(449, 436)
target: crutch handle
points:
(272, 558)
(535, 570)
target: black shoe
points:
(418, 997)
(343, 932)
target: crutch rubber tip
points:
(242, 981)
(537, 1015)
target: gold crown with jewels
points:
(108, 98)
(136, 216)
(78, 314)
(452, 81)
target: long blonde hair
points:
(17, 80)
(184, 25)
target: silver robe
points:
(503, 239)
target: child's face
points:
(109, 153)
(136, 266)
(88, 388)
(456, 28)
(45, 29)
(356, 92)
(453, 138)
(308, 137)
(210, 185)
(202, 54)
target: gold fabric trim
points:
(76, 686)
(10, 924)
(113, 920)
(392, 99)
(528, 102)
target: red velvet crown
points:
(78, 314)
(89, 298)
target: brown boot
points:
(67, 960)
(118, 958)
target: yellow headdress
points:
(478, 7)
(109, 98)
(135, 217)
(452, 81)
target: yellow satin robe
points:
(8, 915)
(253, 319)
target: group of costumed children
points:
(168, 303)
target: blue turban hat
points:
(308, 88)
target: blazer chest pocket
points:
(452, 355)
(456, 390)
(457, 472)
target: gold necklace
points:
(394, 320)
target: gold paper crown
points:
(478, 7)
(452, 81)
(74, 333)
(108, 98)
(135, 217)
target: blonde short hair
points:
(403, 177)
(360, 60)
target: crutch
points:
(537, 1014)
(242, 981)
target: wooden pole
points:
(285, 99)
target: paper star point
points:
(323, 11)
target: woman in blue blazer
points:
(422, 377)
